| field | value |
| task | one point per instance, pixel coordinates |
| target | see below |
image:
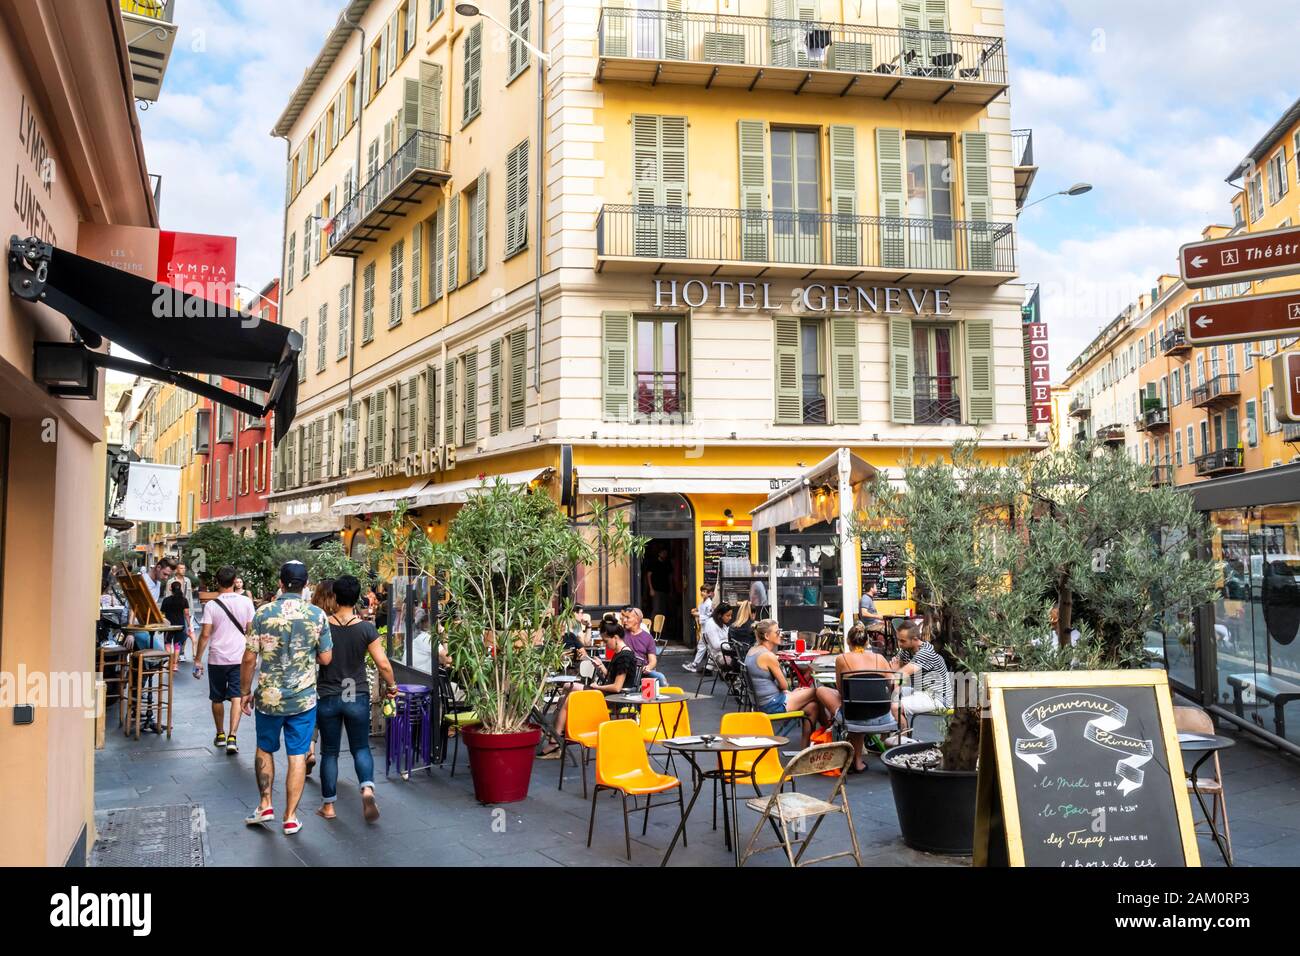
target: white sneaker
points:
(690, 667)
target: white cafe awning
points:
(458, 492)
(687, 479)
(376, 501)
(794, 502)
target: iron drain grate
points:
(149, 836)
(190, 752)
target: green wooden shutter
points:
(659, 188)
(783, 38)
(480, 224)
(496, 377)
(436, 253)
(672, 153)
(902, 406)
(449, 402)
(431, 407)
(470, 428)
(368, 303)
(614, 19)
(518, 23)
(844, 195)
(388, 142)
(372, 429)
(518, 360)
(752, 135)
(975, 188)
(453, 242)
(408, 38)
(979, 370)
(893, 201)
(350, 436)
(413, 414)
(846, 403)
(788, 380)
(391, 31)
(410, 116)
(431, 102)
(517, 199)
(417, 266)
(674, 31)
(331, 459)
(646, 193)
(616, 348)
(472, 73)
(402, 416)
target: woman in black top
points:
(343, 698)
(177, 611)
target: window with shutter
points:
(902, 408)
(470, 428)
(659, 188)
(478, 234)
(616, 348)
(975, 189)
(431, 114)
(496, 377)
(417, 266)
(409, 123)
(788, 378)
(435, 9)
(893, 203)
(351, 435)
(345, 317)
(308, 243)
(322, 335)
(453, 242)
(979, 370)
(437, 265)
(329, 455)
(518, 19)
(408, 35)
(396, 290)
(844, 196)
(368, 303)
(517, 199)
(431, 407)
(845, 401)
(412, 444)
(472, 75)
(449, 402)
(391, 32)
(302, 356)
(518, 360)
(288, 272)
(752, 136)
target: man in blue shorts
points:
(288, 638)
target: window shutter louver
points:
(345, 318)
(844, 371)
(975, 187)
(322, 335)
(893, 201)
(470, 428)
(413, 414)
(979, 370)
(518, 20)
(752, 135)
(431, 407)
(616, 346)
(614, 36)
(902, 406)
(416, 266)
(480, 224)
(330, 458)
(410, 120)
(449, 402)
(368, 303)
(674, 30)
(495, 377)
(408, 39)
(673, 160)
(472, 73)
(517, 199)
(844, 195)
(351, 434)
(390, 37)
(381, 429)
(789, 384)
(431, 100)
(438, 265)
(453, 242)
(403, 417)
(518, 361)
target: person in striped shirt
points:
(918, 661)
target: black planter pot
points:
(936, 808)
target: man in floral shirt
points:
(288, 638)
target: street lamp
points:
(1078, 189)
(469, 9)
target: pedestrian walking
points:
(225, 637)
(177, 612)
(289, 638)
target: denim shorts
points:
(297, 730)
(777, 705)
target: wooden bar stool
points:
(149, 687)
(111, 662)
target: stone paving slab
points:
(433, 819)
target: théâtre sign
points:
(815, 297)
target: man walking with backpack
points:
(225, 636)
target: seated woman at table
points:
(859, 656)
(772, 693)
(715, 631)
(616, 675)
(741, 631)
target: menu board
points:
(723, 544)
(884, 566)
(1082, 769)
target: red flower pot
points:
(501, 764)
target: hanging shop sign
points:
(1038, 374)
(1082, 769)
(814, 297)
(153, 492)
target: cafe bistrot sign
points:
(746, 295)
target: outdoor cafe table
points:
(692, 748)
(636, 700)
(1205, 747)
(792, 661)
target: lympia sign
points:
(815, 297)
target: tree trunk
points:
(961, 746)
(1065, 612)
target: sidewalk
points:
(434, 820)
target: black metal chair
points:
(455, 715)
(866, 698)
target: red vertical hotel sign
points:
(1039, 371)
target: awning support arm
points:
(187, 382)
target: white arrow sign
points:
(1199, 261)
(1203, 323)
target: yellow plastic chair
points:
(660, 722)
(622, 764)
(587, 711)
(752, 724)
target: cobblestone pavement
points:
(433, 819)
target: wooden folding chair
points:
(785, 809)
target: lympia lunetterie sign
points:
(1082, 768)
(747, 295)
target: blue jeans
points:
(332, 715)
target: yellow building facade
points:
(766, 232)
(174, 416)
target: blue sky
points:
(1137, 97)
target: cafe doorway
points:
(665, 572)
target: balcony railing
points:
(814, 399)
(661, 396)
(1080, 406)
(150, 35)
(163, 10)
(1162, 474)
(1221, 389)
(798, 56)
(1022, 147)
(1174, 342)
(1111, 434)
(1220, 462)
(1154, 418)
(935, 400)
(790, 241)
(419, 164)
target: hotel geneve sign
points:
(814, 297)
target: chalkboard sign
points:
(723, 544)
(1082, 768)
(884, 566)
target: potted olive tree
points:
(1062, 560)
(508, 552)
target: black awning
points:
(172, 331)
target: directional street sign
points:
(1245, 319)
(1286, 386)
(1252, 255)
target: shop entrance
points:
(666, 571)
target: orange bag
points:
(823, 736)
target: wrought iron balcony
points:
(1080, 406)
(935, 400)
(419, 165)
(150, 35)
(799, 56)
(1022, 152)
(661, 396)
(814, 399)
(1111, 434)
(1162, 474)
(1174, 343)
(1222, 462)
(643, 237)
(1154, 418)
(1219, 390)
